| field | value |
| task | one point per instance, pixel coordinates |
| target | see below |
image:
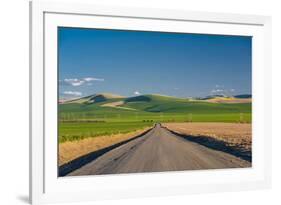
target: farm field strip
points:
(236, 136)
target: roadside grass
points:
(71, 131)
(71, 150)
(231, 137)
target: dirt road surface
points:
(159, 150)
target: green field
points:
(70, 131)
(84, 118)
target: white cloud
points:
(232, 90)
(219, 86)
(72, 81)
(92, 79)
(136, 93)
(78, 82)
(73, 93)
(217, 91)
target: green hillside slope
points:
(86, 116)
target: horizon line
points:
(123, 96)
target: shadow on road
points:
(77, 163)
(216, 144)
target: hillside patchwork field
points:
(107, 114)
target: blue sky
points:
(132, 62)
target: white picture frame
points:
(46, 187)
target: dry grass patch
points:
(230, 100)
(227, 100)
(113, 104)
(233, 135)
(71, 150)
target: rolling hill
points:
(105, 114)
(243, 96)
(101, 97)
(112, 105)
